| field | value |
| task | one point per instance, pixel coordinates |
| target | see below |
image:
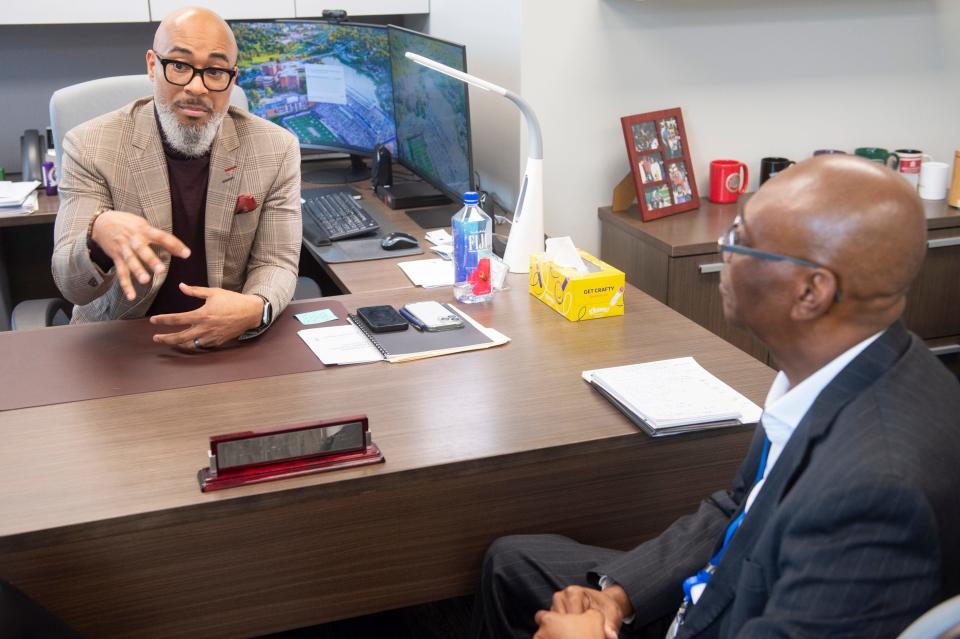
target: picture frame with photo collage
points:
(660, 163)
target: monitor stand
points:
(357, 171)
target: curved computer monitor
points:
(328, 84)
(432, 113)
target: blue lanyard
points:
(703, 576)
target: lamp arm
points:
(535, 150)
(535, 139)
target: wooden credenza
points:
(675, 260)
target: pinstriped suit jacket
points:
(117, 161)
(856, 531)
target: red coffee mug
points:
(728, 179)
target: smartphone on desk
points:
(382, 319)
(432, 316)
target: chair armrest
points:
(31, 314)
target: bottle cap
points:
(471, 197)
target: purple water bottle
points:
(50, 177)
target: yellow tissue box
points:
(577, 296)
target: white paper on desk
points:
(29, 205)
(340, 345)
(14, 193)
(562, 252)
(439, 236)
(443, 250)
(673, 392)
(428, 273)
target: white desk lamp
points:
(526, 234)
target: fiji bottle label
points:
(469, 244)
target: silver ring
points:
(196, 344)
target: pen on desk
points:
(414, 322)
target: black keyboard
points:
(335, 216)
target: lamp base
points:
(526, 234)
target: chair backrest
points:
(78, 103)
(940, 622)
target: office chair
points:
(940, 622)
(69, 107)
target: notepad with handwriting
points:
(672, 396)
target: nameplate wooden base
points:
(253, 457)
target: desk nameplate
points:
(252, 457)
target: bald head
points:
(856, 217)
(193, 24)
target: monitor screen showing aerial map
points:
(432, 112)
(328, 84)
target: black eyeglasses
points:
(730, 242)
(180, 73)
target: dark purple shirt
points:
(188, 201)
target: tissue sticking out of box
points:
(562, 252)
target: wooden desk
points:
(101, 519)
(46, 213)
(26, 246)
(675, 260)
(376, 275)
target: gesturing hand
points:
(612, 603)
(126, 239)
(555, 625)
(223, 316)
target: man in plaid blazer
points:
(179, 207)
(844, 518)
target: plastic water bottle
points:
(472, 252)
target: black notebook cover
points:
(412, 341)
(649, 429)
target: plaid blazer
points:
(117, 161)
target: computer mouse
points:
(397, 240)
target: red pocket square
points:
(245, 204)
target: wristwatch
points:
(267, 316)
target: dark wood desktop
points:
(102, 521)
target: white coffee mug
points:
(933, 180)
(907, 163)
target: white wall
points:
(753, 77)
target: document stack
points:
(672, 396)
(18, 198)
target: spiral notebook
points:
(400, 346)
(672, 396)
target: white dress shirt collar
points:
(786, 406)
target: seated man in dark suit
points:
(844, 518)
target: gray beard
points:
(191, 140)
